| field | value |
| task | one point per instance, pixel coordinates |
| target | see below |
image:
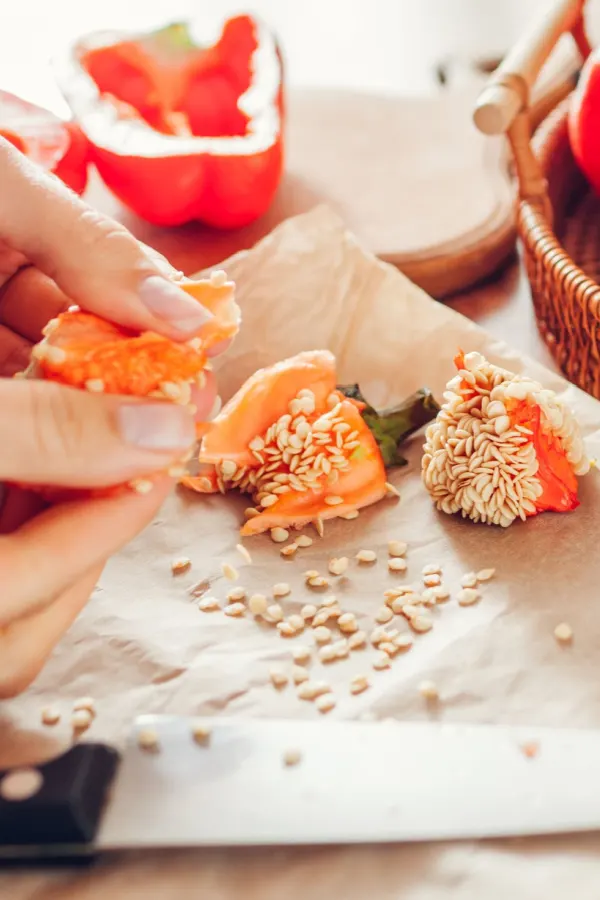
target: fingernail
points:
(168, 302)
(156, 426)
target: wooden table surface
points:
(387, 45)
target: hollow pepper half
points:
(57, 146)
(180, 131)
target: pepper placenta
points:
(302, 448)
(178, 131)
(57, 146)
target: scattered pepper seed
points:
(359, 684)
(391, 490)
(468, 596)
(320, 528)
(178, 566)
(342, 649)
(279, 678)
(209, 604)
(563, 633)
(87, 703)
(81, 719)
(421, 624)
(297, 622)
(397, 564)
(327, 653)
(353, 514)
(301, 655)
(289, 550)
(251, 512)
(275, 612)
(310, 690)
(299, 674)
(244, 553)
(381, 661)
(201, 733)
(397, 548)
(432, 580)
(148, 740)
(338, 566)
(403, 641)
(50, 715)
(236, 594)
(485, 574)
(230, 572)
(311, 573)
(429, 691)
(388, 647)
(318, 582)
(384, 615)
(321, 618)
(410, 610)
(439, 593)
(357, 640)
(308, 611)
(279, 535)
(347, 623)
(282, 589)
(257, 604)
(292, 758)
(322, 634)
(329, 602)
(285, 629)
(235, 610)
(366, 556)
(469, 580)
(393, 594)
(325, 703)
(432, 569)
(303, 540)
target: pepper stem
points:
(390, 427)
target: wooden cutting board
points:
(412, 178)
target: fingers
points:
(14, 353)
(26, 644)
(93, 260)
(54, 435)
(28, 301)
(47, 555)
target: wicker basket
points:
(558, 217)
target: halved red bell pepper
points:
(179, 131)
(57, 146)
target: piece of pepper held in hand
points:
(301, 448)
(84, 351)
(181, 131)
(502, 448)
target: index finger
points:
(93, 260)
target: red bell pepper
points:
(56, 146)
(178, 131)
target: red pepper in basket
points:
(56, 146)
(182, 132)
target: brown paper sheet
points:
(142, 646)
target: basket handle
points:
(503, 106)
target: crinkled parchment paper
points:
(141, 645)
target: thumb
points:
(95, 261)
(55, 435)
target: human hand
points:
(54, 251)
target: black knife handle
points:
(67, 807)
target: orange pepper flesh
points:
(260, 403)
(131, 364)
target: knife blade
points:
(354, 783)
